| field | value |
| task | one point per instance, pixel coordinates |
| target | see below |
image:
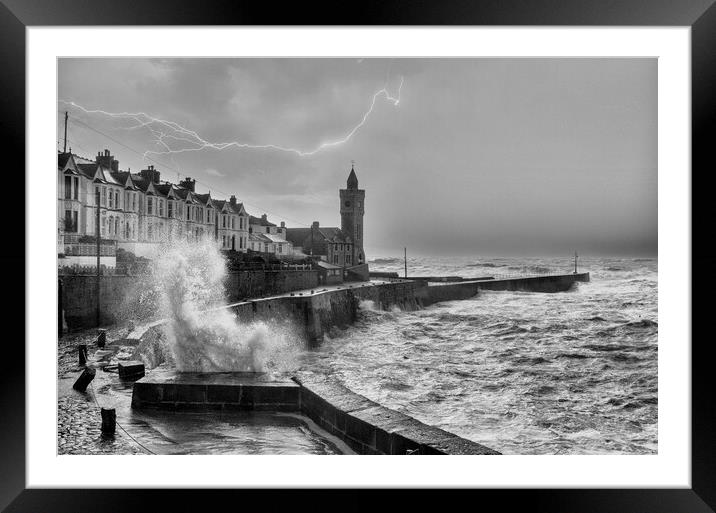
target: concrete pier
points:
(168, 389)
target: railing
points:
(81, 249)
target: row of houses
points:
(138, 211)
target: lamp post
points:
(99, 271)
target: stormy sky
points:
(479, 157)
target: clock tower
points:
(352, 210)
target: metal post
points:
(405, 258)
(575, 262)
(99, 271)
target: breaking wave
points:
(202, 335)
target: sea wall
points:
(245, 284)
(119, 297)
(365, 426)
(318, 311)
(124, 297)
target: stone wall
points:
(248, 284)
(120, 299)
(125, 298)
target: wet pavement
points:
(161, 432)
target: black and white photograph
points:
(369, 256)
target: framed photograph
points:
(434, 229)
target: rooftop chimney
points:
(150, 174)
(106, 160)
(283, 224)
(264, 217)
(232, 201)
(188, 183)
(315, 224)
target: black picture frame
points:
(700, 15)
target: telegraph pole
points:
(64, 149)
(99, 271)
(405, 259)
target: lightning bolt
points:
(165, 131)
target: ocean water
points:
(523, 373)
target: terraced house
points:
(137, 211)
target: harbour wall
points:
(318, 311)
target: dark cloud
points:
(482, 155)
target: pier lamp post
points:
(575, 262)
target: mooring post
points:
(109, 420)
(83, 354)
(84, 380)
(101, 337)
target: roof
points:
(121, 177)
(301, 237)
(204, 198)
(62, 159)
(259, 237)
(87, 170)
(238, 208)
(352, 182)
(275, 238)
(260, 221)
(163, 188)
(326, 265)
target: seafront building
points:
(138, 211)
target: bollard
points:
(109, 419)
(82, 350)
(102, 337)
(85, 378)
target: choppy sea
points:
(524, 373)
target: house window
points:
(232, 222)
(104, 192)
(149, 205)
(116, 225)
(96, 192)
(268, 229)
(71, 221)
(161, 207)
(68, 187)
(223, 221)
(170, 208)
(116, 199)
(280, 248)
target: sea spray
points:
(202, 335)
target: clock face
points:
(347, 203)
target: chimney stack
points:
(232, 201)
(188, 183)
(283, 224)
(264, 217)
(315, 224)
(150, 174)
(107, 160)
